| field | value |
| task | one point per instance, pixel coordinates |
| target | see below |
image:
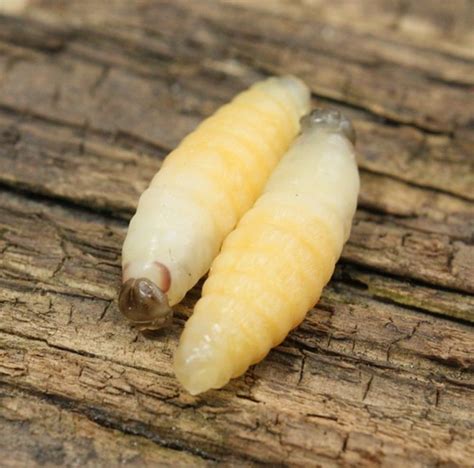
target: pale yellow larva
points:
(273, 266)
(203, 188)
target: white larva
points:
(203, 188)
(273, 266)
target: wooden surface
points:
(93, 94)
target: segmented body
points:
(273, 266)
(206, 184)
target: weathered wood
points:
(92, 97)
(38, 430)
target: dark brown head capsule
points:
(144, 304)
(332, 119)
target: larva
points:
(273, 266)
(202, 189)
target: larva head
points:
(144, 304)
(331, 119)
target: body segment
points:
(203, 188)
(274, 265)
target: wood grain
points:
(92, 97)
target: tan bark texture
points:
(93, 94)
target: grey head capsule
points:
(330, 118)
(144, 304)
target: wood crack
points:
(108, 420)
(82, 353)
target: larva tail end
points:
(332, 119)
(199, 381)
(144, 304)
(198, 368)
(299, 91)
